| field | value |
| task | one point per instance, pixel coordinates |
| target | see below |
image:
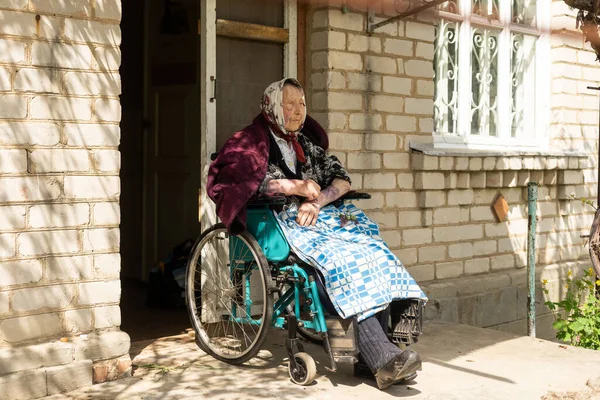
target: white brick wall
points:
(24, 24)
(107, 58)
(20, 272)
(107, 213)
(78, 321)
(29, 134)
(48, 242)
(5, 79)
(107, 317)
(445, 225)
(93, 84)
(15, 4)
(86, 31)
(36, 299)
(51, 54)
(69, 268)
(12, 51)
(12, 217)
(26, 188)
(59, 176)
(59, 215)
(67, 7)
(108, 9)
(13, 330)
(13, 161)
(13, 106)
(4, 304)
(101, 240)
(107, 265)
(99, 292)
(90, 187)
(37, 80)
(56, 160)
(64, 109)
(92, 135)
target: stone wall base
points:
(33, 384)
(31, 371)
(499, 300)
(110, 370)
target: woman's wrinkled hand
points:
(308, 213)
(309, 189)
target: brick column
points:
(59, 194)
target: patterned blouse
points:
(319, 166)
(288, 153)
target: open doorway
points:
(161, 126)
(160, 151)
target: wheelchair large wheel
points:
(228, 297)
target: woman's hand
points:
(308, 213)
(308, 188)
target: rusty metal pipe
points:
(532, 195)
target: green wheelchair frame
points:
(298, 307)
(302, 291)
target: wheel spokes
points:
(224, 306)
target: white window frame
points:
(208, 69)
(463, 139)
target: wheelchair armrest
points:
(351, 195)
(267, 201)
(354, 195)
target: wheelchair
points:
(239, 286)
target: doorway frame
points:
(208, 73)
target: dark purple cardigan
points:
(239, 169)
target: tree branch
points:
(584, 5)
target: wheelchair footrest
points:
(343, 338)
(407, 320)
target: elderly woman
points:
(283, 153)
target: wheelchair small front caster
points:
(306, 369)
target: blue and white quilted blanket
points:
(362, 276)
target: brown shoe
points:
(361, 370)
(398, 369)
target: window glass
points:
(450, 6)
(524, 12)
(523, 85)
(484, 82)
(486, 8)
(446, 78)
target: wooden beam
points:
(243, 30)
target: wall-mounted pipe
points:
(532, 195)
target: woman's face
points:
(294, 108)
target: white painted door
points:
(242, 51)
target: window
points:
(491, 73)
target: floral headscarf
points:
(272, 105)
(272, 108)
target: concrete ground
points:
(459, 362)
